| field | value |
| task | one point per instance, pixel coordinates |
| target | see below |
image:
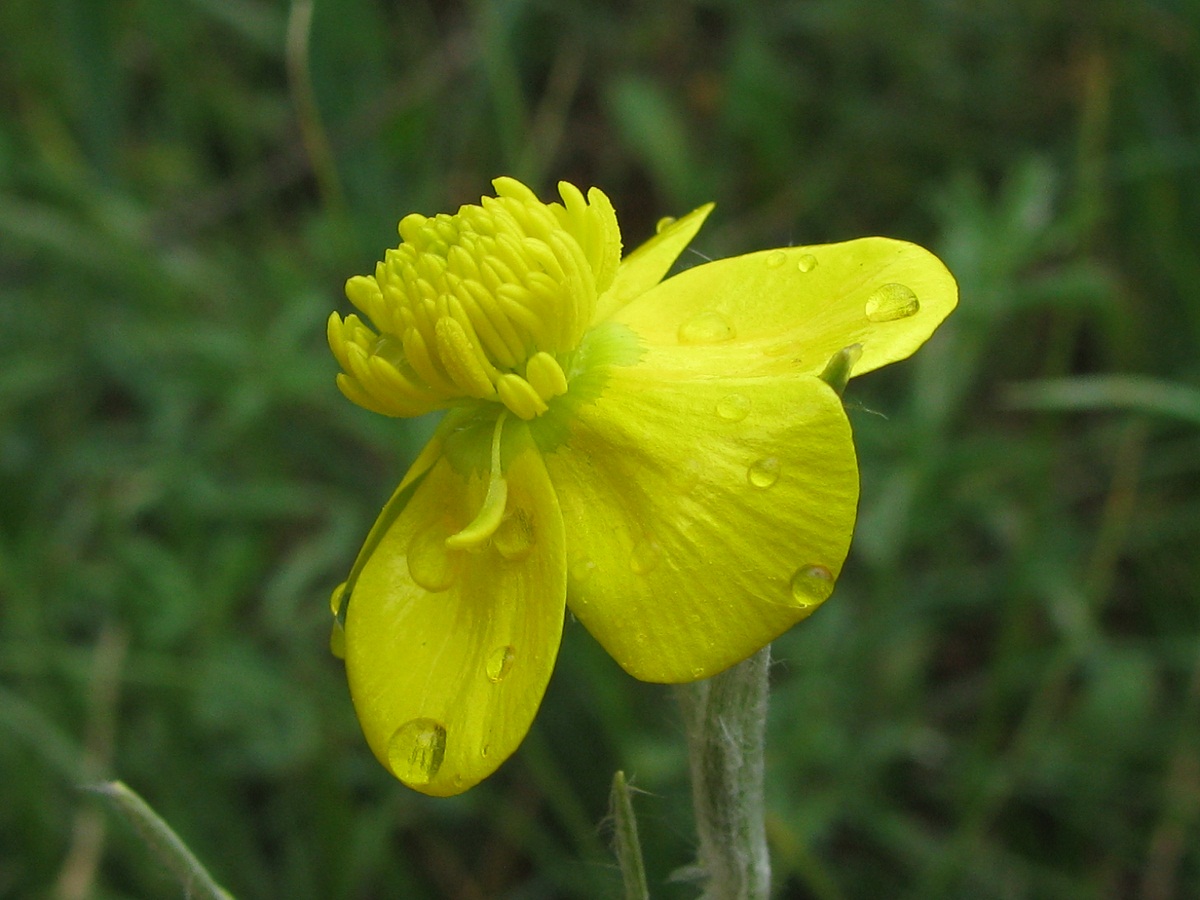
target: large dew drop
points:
(515, 537)
(776, 258)
(806, 263)
(891, 302)
(430, 563)
(416, 750)
(811, 586)
(733, 407)
(582, 569)
(764, 473)
(499, 662)
(706, 328)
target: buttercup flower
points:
(663, 457)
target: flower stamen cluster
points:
(482, 304)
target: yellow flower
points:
(663, 457)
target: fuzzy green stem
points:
(726, 718)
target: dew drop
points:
(514, 538)
(646, 555)
(764, 473)
(706, 328)
(485, 750)
(776, 258)
(582, 569)
(811, 586)
(499, 663)
(891, 302)
(663, 224)
(733, 407)
(416, 750)
(806, 263)
(430, 563)
(697, 672)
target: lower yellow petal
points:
(704, 517)
(448, 651)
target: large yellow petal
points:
(448, 652)
(791, 310)
(704, 517)
(645, 267)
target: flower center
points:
(480, 305)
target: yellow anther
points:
(491, 513)
(519, 396)
(460, 354)
(545, 376)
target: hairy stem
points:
(726, 718)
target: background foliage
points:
(1003, 698)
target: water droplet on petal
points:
(697, 671)
(430, 563)
(416, 750)
(485, 750)
(646, 555)
(733, 407)
(764, 473)
(776, 258)
(811, 586)
(582, 569)
(499, 662)
(706, 328)
(806, 263)
(891, 302)
(663, 224)
(514, 538)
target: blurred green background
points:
(1001, 701)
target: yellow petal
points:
(704, 517)
(793, 309)
(645, 267)
(448, 652)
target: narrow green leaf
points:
(1135, 393)
(162, 840)
(625, 840)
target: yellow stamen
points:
(519, 395)
(545, 376)
(457, 352)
